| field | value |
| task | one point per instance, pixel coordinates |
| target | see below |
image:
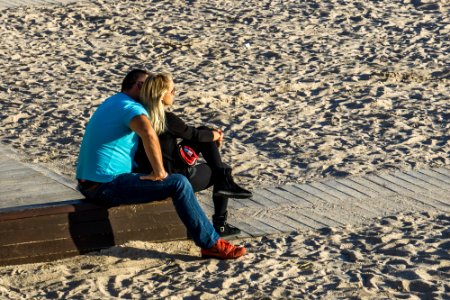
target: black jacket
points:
(176, 131)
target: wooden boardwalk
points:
(338, 202)
(29, 185)
(272, 210)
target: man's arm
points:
(142, 126)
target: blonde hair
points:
(153, 91)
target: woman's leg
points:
(224, 184)
(201, 178)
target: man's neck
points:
(131, 95)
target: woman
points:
(158, 93)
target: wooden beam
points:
(76, 227)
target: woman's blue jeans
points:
(130, 189)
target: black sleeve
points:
(179, 129)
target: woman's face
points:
(168, 97)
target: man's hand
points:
(154, 177)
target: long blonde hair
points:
(153, 91)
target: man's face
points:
(138, 85)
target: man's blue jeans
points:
(130, 189)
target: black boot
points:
(222, 227)
(226, 187)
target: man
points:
(106, 158)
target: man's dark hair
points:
(131, 78)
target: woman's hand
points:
(218, 137)
(155, 177)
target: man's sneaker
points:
(222, 249)
(222, 227)
(226, 187)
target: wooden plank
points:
(117, 219)
(382, 190)
(277, 196)
(297, 191)
(32, 181)
(264, 225)
(340, 206)
(246, 203)
(436, 175)
(331, 191)
(290, 222)
(356, 186)
(246, 230)
(412, 180)
(6, 167)
(427, 199)
(404, 191)
(260, 197)
(317, 193)
(310, 219)
(428, 189)
(239, 203)
(18, 173)
(250, 227)
(344, 189)
(43, 233)
(43, 250)
(290, 197)
(275, 222)
(35, 190)
(345, 199)
(44, 209)
(401, 182)
(47, 197)
(430, 180)
(387, 184)
(443, 171)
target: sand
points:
(303, 91)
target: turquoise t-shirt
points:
(109, 144)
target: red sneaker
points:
(222, 249)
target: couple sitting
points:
(130, 154)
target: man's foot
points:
(222, 249)
(228, 188)
(222, 227)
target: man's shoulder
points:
(122, 100)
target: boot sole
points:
(218, 257)
(231, 235)
(231, 195)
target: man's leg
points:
(129, 188)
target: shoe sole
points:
(231, 195)
(218, 257)
(232, 235)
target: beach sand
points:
(303, 91)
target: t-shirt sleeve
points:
(132, 110)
